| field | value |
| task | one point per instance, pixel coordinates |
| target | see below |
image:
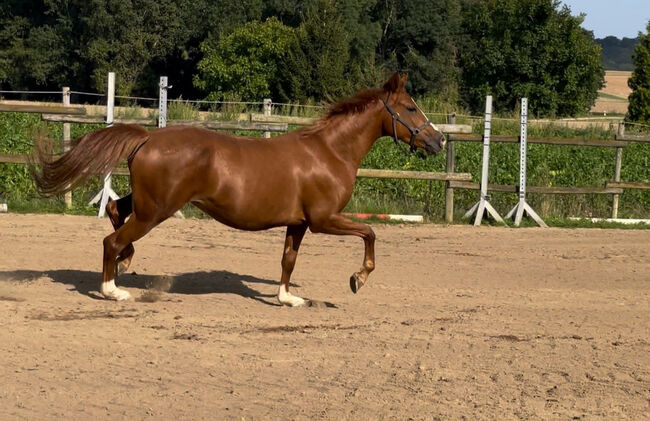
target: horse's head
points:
(405, 121)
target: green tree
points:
(529, 48)
(639, 108)
(420, 38)
(320, 54)
(244, 63)
(50, 43)
(333, 52)
(35, 47)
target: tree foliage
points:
(316, 63)
(419, 38)
(617, 53)
(639, 108)
(453, 50)
(244, 63)
(529, 48)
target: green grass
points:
(602, 95)
(182, 110)
(548, 165)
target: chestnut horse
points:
(300, 180)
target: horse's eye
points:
(411, 109)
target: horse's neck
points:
(352, 136)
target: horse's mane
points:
(355, 104)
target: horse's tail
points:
(94, 153)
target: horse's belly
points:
(253, 216)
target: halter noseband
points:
(414, 132)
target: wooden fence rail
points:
(308, 121)
(151, 122)
(41, 109)
(538, 189)
(541, 140)
(259, 122)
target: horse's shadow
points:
(214, 282)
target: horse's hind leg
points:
(115, 244)
(118, 211)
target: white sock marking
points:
(112, 292)
(288, 299)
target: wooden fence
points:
(455, 133)
(614, 187)
(246, 122)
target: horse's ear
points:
(402, 81)
(393, 83)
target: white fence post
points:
(267, 112)
(107, 192)
(617, 169)
(66, 140)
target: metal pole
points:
(162, 102)
(523, 206)
(523, 139)
(487, 131)
(66, 140)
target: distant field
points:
(616, 83)
(612, 99)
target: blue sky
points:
(621, 18)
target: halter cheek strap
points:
(414, 132)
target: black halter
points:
(414, 132)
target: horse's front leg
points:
(337, 224)
(295, 233)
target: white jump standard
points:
(484, 201)
(523, 206)
(107, 191)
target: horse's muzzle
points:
(435, 144)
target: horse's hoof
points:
(290, 300)
(111, 292)
(355, 283)
(294, 301)
(118, 295)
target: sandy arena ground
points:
(456, 323)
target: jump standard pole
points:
(522, 206)
(107, 191)
(484, 200)
(162, 115)
(162, 102)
